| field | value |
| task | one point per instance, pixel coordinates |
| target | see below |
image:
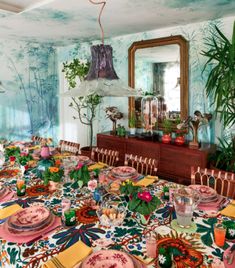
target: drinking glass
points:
(151, 244)
(219, 234)
(70, 217)
(20, 187)
(65, 204)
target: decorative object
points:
(164, 258)
(113, 114)
(219, 234)
(230, 229)
(24, 158)
(167, 129)
(127, 188)
(12, 151)
(180, 133)
(92, 185)
(20, 187)
(54, 174)
(70, 217)
(143, 203)
(86, 215)
(132, 123)
(37, 190)
(194, 124)
(185, 201)
(151, 244)
(80, 175)
(149, 111)
(221, 82)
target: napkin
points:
(146, 181)
(229, 211)
(98, 165)
(8, 211)
(71, 256)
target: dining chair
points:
(223, 182)
(107, 156)
(41, 139)
(68, 146)
(144, 165)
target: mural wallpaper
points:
(195, 34)
(29, 104)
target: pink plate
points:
(29, 217)
(123, 171)
(206, 192)
(108, 258)
(226, 265)
(83, 158)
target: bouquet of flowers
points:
(53, 174)
(24, 158)
(80, 174)
(143, 202)
(128, 188)
(12, 151)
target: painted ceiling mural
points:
(50, 21)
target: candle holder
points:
(20, 187)
(70, 217)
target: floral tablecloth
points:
(128, 237)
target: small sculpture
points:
(113, 114)
(194, 124)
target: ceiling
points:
(65, 22)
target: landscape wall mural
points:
(29, 104)
(196, 34)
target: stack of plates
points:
(4, 192)
(110, 258)
(123, 173)
(207, 194)
(30, 220)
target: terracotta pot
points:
(166, 138)
(86, 151)
(180, 140)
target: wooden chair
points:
(68, 146)
(144, 165)
(37, 139)
(223, 182)
(106, 156)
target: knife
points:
(42, 235)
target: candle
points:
(70, 217)
(151, 244)
(20, 187)
(219, 234)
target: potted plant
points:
(85, 106)
(132, 123)
(221, 87)
(167, 129)
(80, 175)
(52, 176)
(127, 188)
(144, 203)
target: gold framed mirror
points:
(160, 67)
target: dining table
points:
(128, 237)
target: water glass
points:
(151, 244)
(219, 234)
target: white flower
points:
(231, 232)
(72, 219)
(161, 258)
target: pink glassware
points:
(66, 204)
(45, 152)
(151, 244)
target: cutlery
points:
(42, 235)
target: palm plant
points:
(221, 80)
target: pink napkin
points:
(10, 237)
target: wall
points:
(194, 33)
(29, 105)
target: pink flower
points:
(145, 196)
(92, 185)
(79, 165)
(23, 154)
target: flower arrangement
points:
(24, 158)
(143, 202)
(128, 188)
(12, 151)
(53, 174)
(92, 185)
(80, 175)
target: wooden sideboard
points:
(174, 161)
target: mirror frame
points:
(171, 40)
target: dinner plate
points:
(108, 258)
(123, 171)
(29, 218)
(83, 158)
(207, 193)
(119, 178)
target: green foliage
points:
(24, 159)
(167, 126)
(221, 80)
(52, 176)
(81, 175)
(132, 120)
(127, 188)
(12, 151)
(224, 158)
(75, 69)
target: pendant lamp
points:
(102, 79)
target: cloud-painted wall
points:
(194, 33)
(29, 73)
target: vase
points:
(180, 140)
(166, 138)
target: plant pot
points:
(166, 138)
(180, 140)
(132, 131)
(86, 151)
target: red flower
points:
(80, 165)
(12, 158)
(145, 196)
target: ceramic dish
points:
(207, 193)
(123, 171)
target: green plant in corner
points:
(85, 106)
(167, 126)
(221, 80)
